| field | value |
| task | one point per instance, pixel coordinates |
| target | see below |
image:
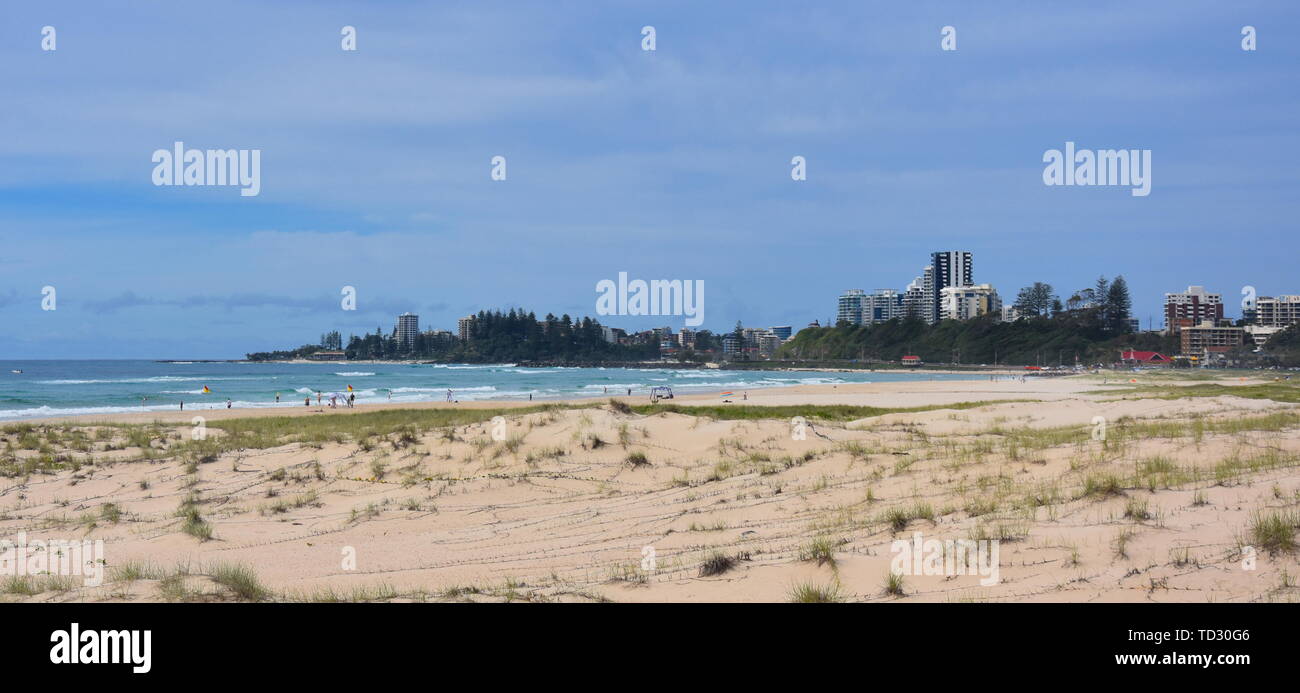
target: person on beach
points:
(306, 401)
(318, 398)
(277, 398)
(182, 405)
(352, 399)
(629, 392)
(448, 394)
(227, 403)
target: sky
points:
(666, 164)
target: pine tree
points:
(1119, 305)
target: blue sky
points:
(667, 164)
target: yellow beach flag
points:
(206, 391)
(349, 388)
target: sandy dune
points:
(556, 506)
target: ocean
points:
(64, 388)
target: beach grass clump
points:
(1102, 486)
(637, 459)
(899, 518)
(1120, 545)
(821, 550)
(716, 564)
(240, 580)
(193, 523)
(513, 443)
(1137, 510)
(142, 437)
(1274, 530)
(813, 593)
(894, 584)
(21, 585)
(132, 570)
(173, 588)
(405, 437)
(111, 513)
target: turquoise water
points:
(61, 388)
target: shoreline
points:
(209, 407)
(885, 393)
(756, 395)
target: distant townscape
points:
(941, 317)
(1194, 330)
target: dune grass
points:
(1282, 391)
(1274, 531)
(821, 550)
(716, 564)
(825, 412)
(240, 580)
(404, 424)
(813, 593)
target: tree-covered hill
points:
(1030, 341)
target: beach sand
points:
(534, 509)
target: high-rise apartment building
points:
(884, 304)
(966, 302)
(463, 327)
(949, 268)
(408, 326)
(850, 307)
(1192, 307)
(1277, 311)
(914, 298)
(928, 295)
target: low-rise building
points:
(1259, 334)
(1144, 358)
(1194, 340)
(733, 345)
(768, 344)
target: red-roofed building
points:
(1144, 358)
(911, 360)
